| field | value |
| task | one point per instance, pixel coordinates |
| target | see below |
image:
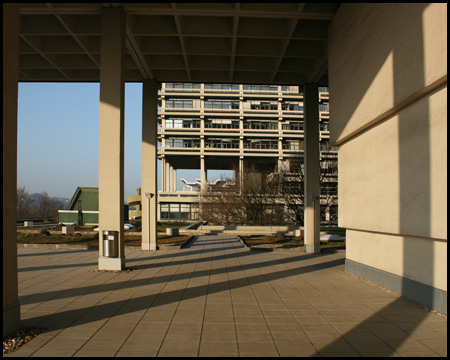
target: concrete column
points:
(174, 178)
(167, 177)
(149, 165)
(241, 174)
(11, 307)
(202, 173)
(111, 139)
(163, 174)
(312, 169)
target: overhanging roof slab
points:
(261, 43)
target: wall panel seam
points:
(394, 110)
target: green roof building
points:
(83, 208)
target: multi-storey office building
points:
(229, 127)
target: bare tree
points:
(47, 207)
(25, 203)
(258, 198)
(290, 183)
(248, 200)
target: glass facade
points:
(179, 211)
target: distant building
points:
(135, 202)
(83, 208)
(231, 127)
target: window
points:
(221, 104)
(222, 86)
(256, 105)
(293, 106)
(261, 87)
(164, 211)
(323, 107)
(178, 103)
(182, 86)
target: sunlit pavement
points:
(214, 298)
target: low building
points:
(83, 208)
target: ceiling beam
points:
(178, 12)
(233, 45)
(44, 56)
(24, 75)
(287, 41)
(136, 53)
(320, 69)
(71, 33)
(182, 44)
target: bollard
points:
(110, 243)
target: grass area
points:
(282, 240)
(279, 239)
(88, 239)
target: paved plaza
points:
(215, 298)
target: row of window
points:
(230, 87)
(229, 104)
(178, 211)
(229, 124)
(211, 104)
(234, 144)
(224, 124)
(222, 86)
(182, 86)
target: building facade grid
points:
(229, 126)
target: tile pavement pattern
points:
(215, 299)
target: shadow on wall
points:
(407, 48)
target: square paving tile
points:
(141, 354)
(218, 348)
(102, 343)
(95, 353)
(255, 327)
(50, 352)
(257, 349)
(62, 342)
(253, 336)
(248, 312)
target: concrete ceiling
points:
(257, 43)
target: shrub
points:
(45, 232)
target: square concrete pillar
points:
(111, 138)
(312, 168)
(68, 229)
(28, 224)
(202, 174)
(163, 174)
(11, 307)
(174, 179)
(149, 165)
(167, 177)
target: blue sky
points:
(57, 147)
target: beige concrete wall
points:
(364, 247)
(379, 56)
(376, 191)
(388, 102)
